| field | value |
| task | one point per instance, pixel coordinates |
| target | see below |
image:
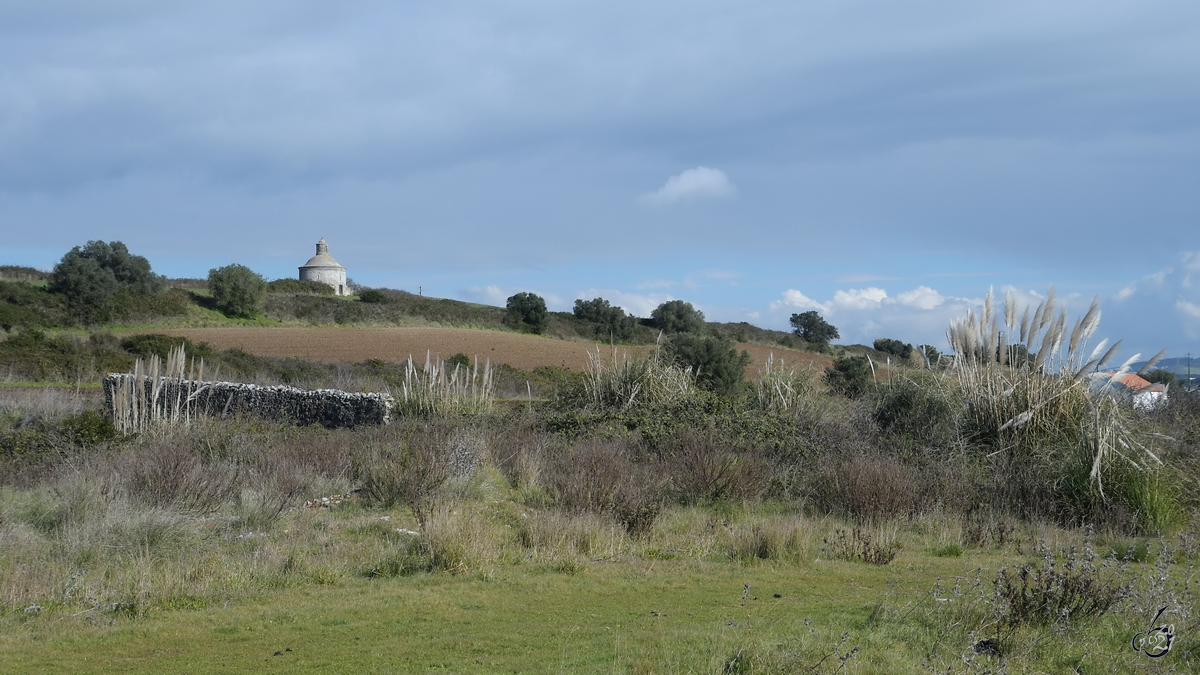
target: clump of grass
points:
(779, 388)
(858, 544)
(949, 551)
(1039, 408)
(443, 389)
(769, 539)
(625, 381)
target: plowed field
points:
(396, 344)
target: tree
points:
(610, 322)
(237, 290)
(810, 326)
(372, 296)
(718, 366)
(677, 316)
(90, 276)
(894, 347)
(527, 312)
(1160, 376)
(849, 376)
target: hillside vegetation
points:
(667, 509)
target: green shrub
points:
(717, 365)
(296, 286)
(527, 312)
(237, 290)
(920, 407)
(372, 296)
(148, 344)
(37, 356)
(849, 376)
(894, 347)
(677, 316)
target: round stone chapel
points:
(322, 267)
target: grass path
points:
(648, 616)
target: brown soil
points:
(396, 344)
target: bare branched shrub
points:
(173, 475)
(706, 466)
(599, 476)
(410, 469)
(871, 488)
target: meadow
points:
(984, 514)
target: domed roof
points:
(322, 258)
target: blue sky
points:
(884, 163)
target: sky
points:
(883, 163)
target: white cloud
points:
(798, 300)
(919, 315)
(1189, 308)
(921, 297)
(859, 298)
(698, 183)
(498, 296)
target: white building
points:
(322, 267)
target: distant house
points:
(1144, 395)
(322, 267)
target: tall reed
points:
(624, 381)
(1028, 402)
(154, 393)
(436, 390)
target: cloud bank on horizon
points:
(884, 164)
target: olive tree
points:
(91, 276)
(677, 316)
(527, 312)
(610, 322)
(810, 326)
(237, 290)
(718, 366)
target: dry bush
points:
(706, 466)
(458, 541)
(172, 475)
(871, 488)
(599, 476)
(1069, 586)
(410, 467)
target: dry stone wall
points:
(177, 398)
